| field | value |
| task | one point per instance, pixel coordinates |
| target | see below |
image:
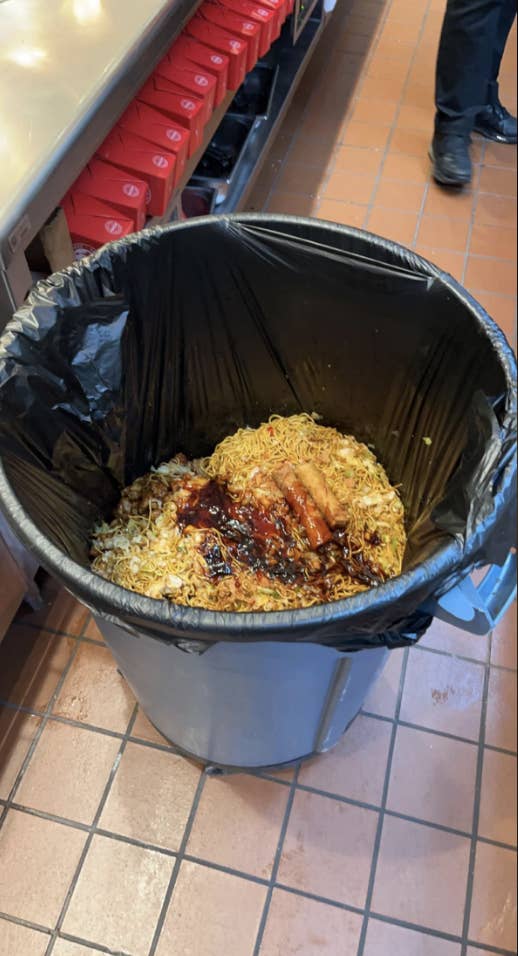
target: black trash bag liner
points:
(170, 340)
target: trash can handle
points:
(478, 608)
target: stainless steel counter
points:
(68, 69)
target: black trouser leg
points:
(471, 33)
(504, 28)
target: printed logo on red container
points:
(218, 60)
(129, 189)
(248, 27)
(234, 45)
(261, 12)
(173, 135)
(160, 162)
(187, 105)
(201, 80)
(113, 227)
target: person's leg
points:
(464, 69)
(495, 122)
(465, 62)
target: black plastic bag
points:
(171, 340)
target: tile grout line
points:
(359, 80)
(298, 787)
(439, 733)
(476, 811)
(176, 868)
(331, 167)
(91, 834)
(393, 127)
(474, 205)
(383, 803)
(45, 715)
(276, 864)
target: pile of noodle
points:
(143, 548)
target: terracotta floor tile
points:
(415, 117)
(365, 134)
(31, 664)
(393, 224)
(94, 692)
(369, 109)
(358, 160)
(420, 95)
(450, 262)
(290, 204)
(346, 213)
(496, 210)
(498, 154)
(365, 25)
(384, 939)
(356, 766)
(151, 796)
(406, 168)
(16, 940)
(17, 731)
(211, 913)
(387, 88)
(443, 693)
(347, 186)
(496, 179)
(493, 905)
(451, 640)
(143, 730)
(118, 881)
(502, 309)
(81, 760)
(296, 178)
(386, 68)
(493, 241)
(503, 641)
(403, 31)
(493, 275)
(448, 202)
(39, 859)
(441, 232)
(349, 42)
(382, 698)
(298, 926)
(411, 142)
(328, 848)
(64, 947)
(475, 951)
(501, 710)
(238, 823)
(404, 196)
(433, 778)
(421, 876)
(498, 798)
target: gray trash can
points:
(167, 342)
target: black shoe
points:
(495, 122)
(449, 153)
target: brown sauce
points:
(262, 541)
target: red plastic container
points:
(190, 80)
(142, 158)
(151, 124)
(221, 42)
(185, 109)
(190, 51)
(92, 223)
(244, 29)
(280, 8)
(119, 189)
(259, 14)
